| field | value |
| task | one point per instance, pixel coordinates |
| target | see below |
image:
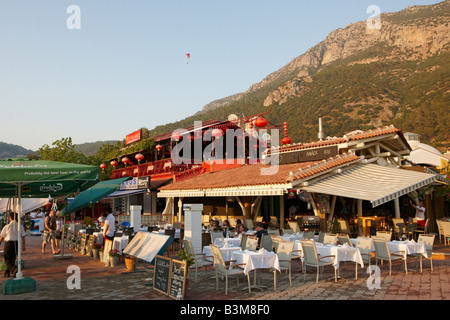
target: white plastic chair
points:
(225, 270)
(364, 245)
(310, 258)
(284, 253)
(382, 252)
(216, 235)
(385, 234)
(428, 241)
(329, 239)
(200, 259)
(252, 243)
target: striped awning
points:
(372, 182)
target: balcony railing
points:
(152, 168)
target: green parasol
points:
(22, 178)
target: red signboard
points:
(133, 137)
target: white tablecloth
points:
(407, 247)
(98, 237)
(254, 260)
(162, 231)
(235, 242)
(120, 243)
(341, 253)
(226, 252)
(292, 237)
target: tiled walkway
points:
(99, 282)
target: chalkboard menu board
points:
(169, 276)
(177, 278)
(90, 245)
(161, 274)
(83, 243)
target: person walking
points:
(10, 233)
(50, 232)
(58, 231)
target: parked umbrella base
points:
(17, 286)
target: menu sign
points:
(178, 278)
(169, 277)
(161, 274)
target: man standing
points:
(420, 213)
(110, 225)
(10, 233)
(50, 232)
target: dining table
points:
(227, 252)
(253, 260)
(408, 247)
(341, 253)
(120, 243)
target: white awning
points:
(244, 192)
(180, 193)
(372, 182)
(226, 192)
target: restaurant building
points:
(357, 176)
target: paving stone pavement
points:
(99, 282)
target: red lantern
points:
(114, 163)
(286, 140)
(125, 160)
(158, 147)
(103, 166)
(261, 122)
(139, 157)
(217, 133)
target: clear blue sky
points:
(126, 67)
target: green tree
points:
(63, 151)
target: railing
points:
(152, 168)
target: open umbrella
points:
(26, 178)
(93, 194)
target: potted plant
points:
(114, 257)
(129, 262)
(96, 249)
(184, 255)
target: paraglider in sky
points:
(188, 55)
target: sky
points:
(103, 69)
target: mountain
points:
(358, 78)
(91, 148)
(8, 150)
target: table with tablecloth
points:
(235, 242)
(120, 243)
(408, 247)
(256, 260)
(227, 252)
